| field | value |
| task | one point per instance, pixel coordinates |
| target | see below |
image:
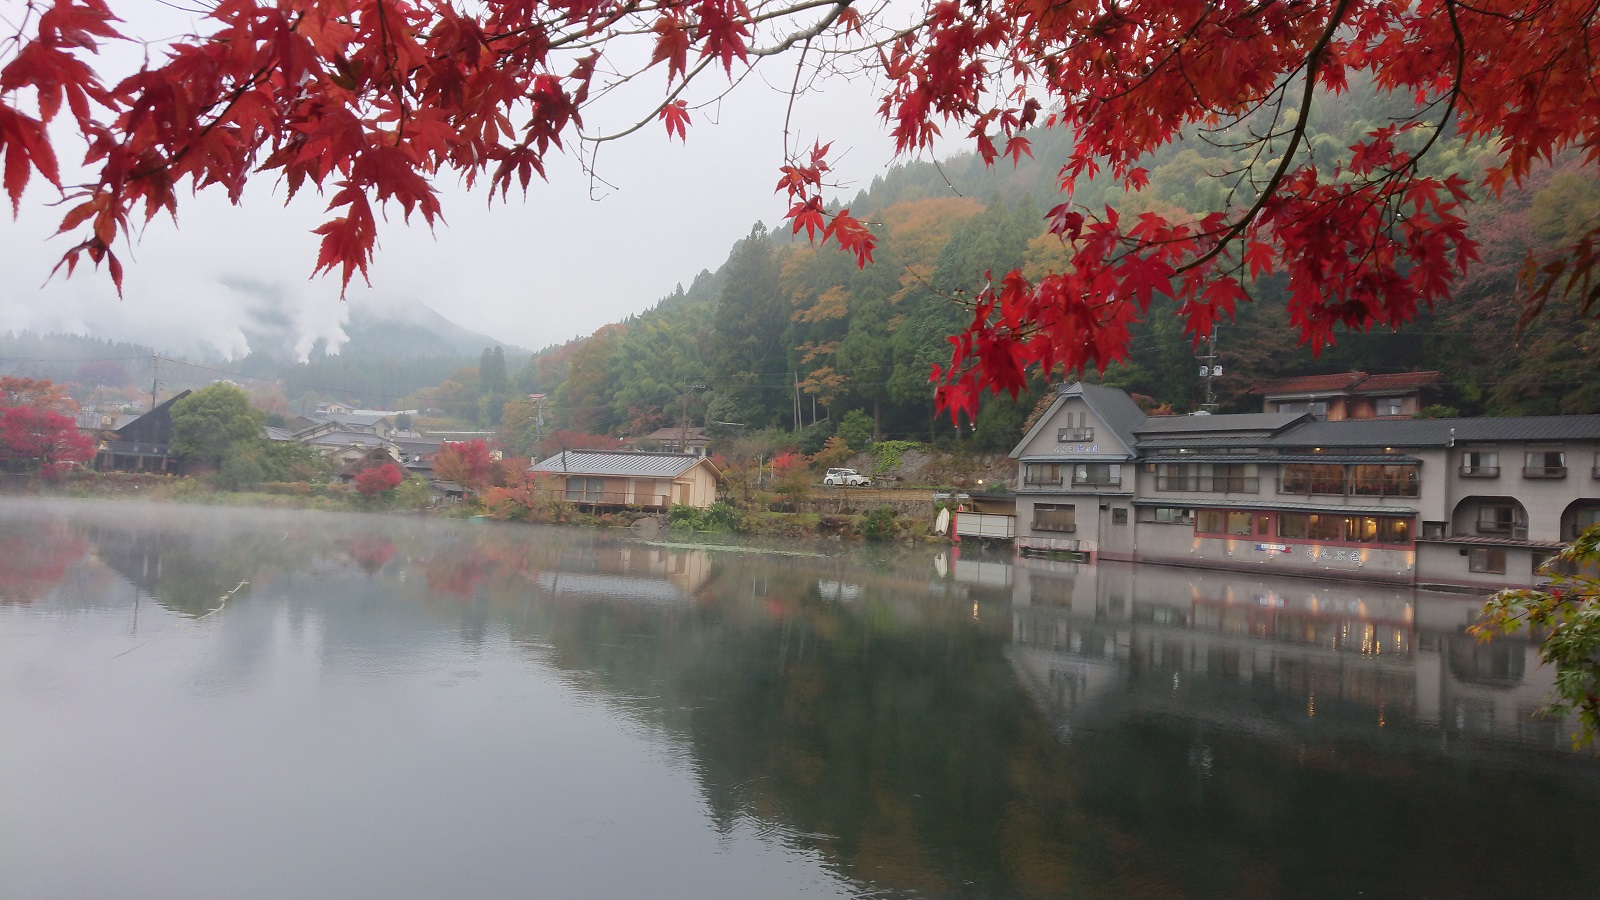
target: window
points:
(583, 489)
(1480, 464)
(1041, 474)
(1487, 560)
(1303, 478)
(1235, 478)
(1054, 517)
(1498, 518)
(1383, 481)
(1323, 527)
(1097, 475)
(1077, 429)
(1318, 408)
(1175, 477)
(1224, 522)
(1583, 519)
(1119, 516)
(1166, 515)
(1293, 525)
(1391, 406)
(1377, 530)
(1545, 464)
(1433, 531)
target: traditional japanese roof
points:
(1330, 459)
(1264, 423)
(1311, 384)
(273, 433)
(1111, 406)
(621, 463)
(1201, 502)
(1397, 381)
(1347, 383)
(1485, 541)
(1439, 432)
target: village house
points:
(1349, 395)
(142, 445)
(673, 439)
(1413, 501)
(622, 478)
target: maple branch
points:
(1312, 64)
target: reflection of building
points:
(628, 572)
(1273, 657)
(1469, 502)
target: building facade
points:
(1448, 502)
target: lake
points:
(208, 702)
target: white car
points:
(846, 478)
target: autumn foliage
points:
(467, 463)
(377, 479)
(34, 434)
(371, 101)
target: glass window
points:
(1211, 521)
(1480, 464)
(1392, 530)
(1165, 515)
(1054, 517)
(1322, 527)
(1496, 518)
(1391, 406)
(1239, 523)
(1361, 529)
(1545, 464)
(1041, 473)
(1292, 525)
(1119, 516)
(1490, 560)
(583, 489)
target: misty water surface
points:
(199, 702)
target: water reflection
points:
(853, 721)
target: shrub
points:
(879, 524)
(856, 429)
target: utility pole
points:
(1210, 372)
(683, 416)
(155, 374)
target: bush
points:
(719, 517)
(879, 524)
(812, 439)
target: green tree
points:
(750, 361)
(1568, 612)
(211, 423)
(856, 429)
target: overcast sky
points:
(568, 259)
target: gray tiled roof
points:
(616, 462)
(1439, 432)
(1324, 458)
(1200, 502)
(1207, 425)
(1115, 408)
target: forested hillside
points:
(790, 335)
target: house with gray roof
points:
(621, 478)
(1449, 502)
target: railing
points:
(1040, 481)
(609, 498)
(1517, 531)
(1480, 471)
(1544, 471)
(986, 525)
(135, 448)
(1048, 526)
(1100, 481)
(1350, 489)
(1064, 435)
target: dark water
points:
(421, 708)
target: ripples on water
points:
(418, 707)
